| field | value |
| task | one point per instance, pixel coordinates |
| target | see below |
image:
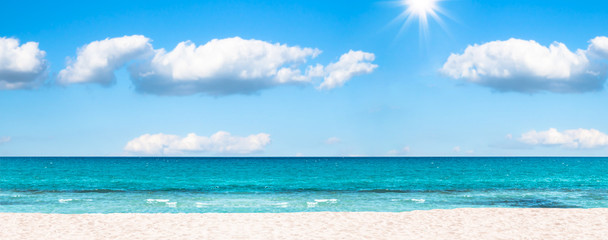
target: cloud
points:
(4, 140)
(221, 67)
(517, 65)
(458, 149)
(97, 61)
(220, 143)
(350, 64)
(218, 67)
(405, 150)
(21, 66)
(333, 140)
(575, 138)
(599, 47)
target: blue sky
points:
(409, 98)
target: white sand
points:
(434, 224)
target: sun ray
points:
(422, 11)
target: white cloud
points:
(459, 150)
(402, 151)
(97, 61)
(526, 66)
(599, 47)
(220, 142)
(4, 140)
(333, 140)
(21, 66)
(222, 66)
(575, 138)
(219, 67)
(350, 64)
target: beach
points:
(486, 223)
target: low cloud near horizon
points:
(5, 139)
(403, 151)
(218, 143)
(218, 67)
(525, 66)
(572, 139)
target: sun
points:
(421, 7)
(421, 10)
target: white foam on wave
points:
(281, 204)
(418, 200)
(202, 204)
(65, 200)
(311, 204)
(326, 200)
(157, 200)
(171, 204)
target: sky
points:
(303, 78)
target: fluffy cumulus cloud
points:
(599, 47)
(575, 138)
(218, 67)
(21, 66)
(97, 61)
(240, 66)
(350, 64)
(218, 143)
(527, 66)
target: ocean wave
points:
(42, 191)
(157, 200)
(418, 200)
(526, 203)
(278, 190)
(202, 204)
(281, 204)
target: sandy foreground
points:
(434, 224)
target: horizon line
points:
(379, 156)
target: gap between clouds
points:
(219, 67)
(218, 143)
(517, 65)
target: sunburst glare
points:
(420, 10)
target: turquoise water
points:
(198, 185)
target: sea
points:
(72, 185)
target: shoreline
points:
(463, 223)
